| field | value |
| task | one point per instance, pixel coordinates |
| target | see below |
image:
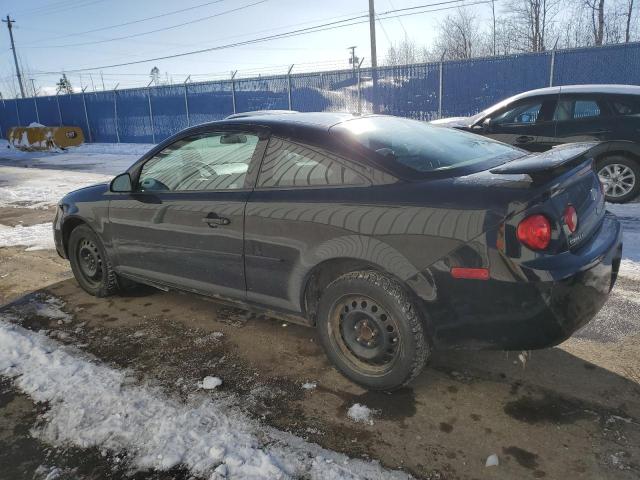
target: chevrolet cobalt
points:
(390, 236)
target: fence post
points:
(35, 103)
(289, 86)
(153, 130)
(186, 101)
(441, 85)
(553, 67)
(359, 87)
(233, 90)
(59, 110)
(17, 111)
(86, 115)
(115, 111)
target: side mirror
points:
(121, 184)
(486, 124)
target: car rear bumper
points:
(558, 298)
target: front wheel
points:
(371, 330)
(620, 177)
(90, 263)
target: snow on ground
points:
(40, 188)
(91, 405)
(360, 413)
(629, 216)
(104, 158)
(34, 237)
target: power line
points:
(304, 31)
(58, 7)
(132, 22)
(197, 20)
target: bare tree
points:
(403, 53)
(459, 36)
(596, 9)
(629, 14)
(532, 21)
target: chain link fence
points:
(422, 91)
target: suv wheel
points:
(620, 177)
(90, 264)
(371, 331)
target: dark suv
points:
(541, 119)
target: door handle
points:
(525, 139)
(213, 220)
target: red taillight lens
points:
(571, 218)
(535, 232)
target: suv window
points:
(288, 164)
(576, 109)
(215, 161)
(522, 113)
(626, 105)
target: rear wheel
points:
(90, 263)
(620, 177)
(371, 331)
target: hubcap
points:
(90, 261)
(365, 333)
(618, 179)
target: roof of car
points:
(620, 89)
(316, 120)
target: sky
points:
(51, 36)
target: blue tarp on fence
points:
(466, 87)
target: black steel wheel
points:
(371, 330)
(90, 263)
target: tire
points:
(621, 178)
(90, 264)
(371, 331)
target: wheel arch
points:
(68, 226)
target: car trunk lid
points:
(567, 177)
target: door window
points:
(523, 113)
(288, 164)
(573, 109)
(626, 105)
(215, 161)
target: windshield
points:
(423, 147)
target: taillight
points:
(535, 232)
(571, 218)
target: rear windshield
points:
(423, 147)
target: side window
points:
(522, 113)
(215, 161)
(626, 105)
(288, 164)
(575, 109)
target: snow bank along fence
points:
(421, 91)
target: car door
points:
(583, 118)
(299, 202)
(183, 223)
(526, 123)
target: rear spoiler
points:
(554, 161)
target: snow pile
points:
(309, 385)
(35, 125)
(90, 404)
(629, 216)
(35, 237)
(360, 413)
(40, 188)
(210, 383)
(492, 461)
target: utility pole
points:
(10, 23)
(374, 56)
(353, 60)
